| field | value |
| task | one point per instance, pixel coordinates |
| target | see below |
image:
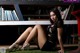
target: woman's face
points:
(53, 16)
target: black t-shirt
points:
(52, 31)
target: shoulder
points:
(59, 23)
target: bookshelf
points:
(30, 12)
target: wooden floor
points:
(68, 45)
(6, 46)
(65, 45)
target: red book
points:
(77, 15)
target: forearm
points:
(60, 42)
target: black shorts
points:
(48, 46)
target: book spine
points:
(0, 13)
(15, 15)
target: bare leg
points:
(41, 36)
(22, 37)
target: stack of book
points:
(65, 14)
(8, 15)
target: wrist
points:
(62, 49)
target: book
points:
(65, 13)
(1, 14)
(8, 15)
(14, 14)
(12, 18)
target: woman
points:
(45, 42)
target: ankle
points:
(13, 45)
(25, 46)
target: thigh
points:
(41, 36)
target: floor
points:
(37, 50)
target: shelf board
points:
(41, 22)
(25, 2)
(34, 2)
(36, 15)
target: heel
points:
(13, 47)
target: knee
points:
(29, 28)
(38, 25)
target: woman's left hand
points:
(61, 51)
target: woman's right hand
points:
(61, 51)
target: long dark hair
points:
(56, 11)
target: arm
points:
(60, 30)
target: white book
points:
(8, 14)
(15, 15)
(12, 19)
(1, 14)
(64, 14)
(67, 12)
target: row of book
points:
(8, 15)
(70, 34)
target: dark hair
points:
(56, 11)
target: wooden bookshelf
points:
(36, 15)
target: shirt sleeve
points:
(59, 24)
